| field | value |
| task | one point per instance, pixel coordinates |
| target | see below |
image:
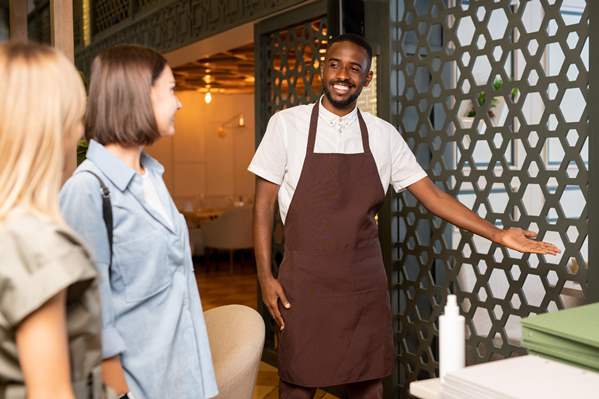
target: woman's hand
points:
(522, 241)
(114, 375)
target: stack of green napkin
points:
(570, 335)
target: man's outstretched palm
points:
(521, 240)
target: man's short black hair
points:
(355, 39)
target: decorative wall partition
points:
(493, 97)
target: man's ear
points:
(368, 79)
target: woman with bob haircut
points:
(49, 300)
(154, 339)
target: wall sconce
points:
(236, 121)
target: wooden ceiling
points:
(229, 72)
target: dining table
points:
(195, 217)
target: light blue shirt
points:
(151, 310)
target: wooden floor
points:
(218, 287)
(268, 379)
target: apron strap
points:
(312, 131)
(364, 132)
(314, 125)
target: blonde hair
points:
(41, 106)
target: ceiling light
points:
(208, 97)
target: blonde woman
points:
(49, 301)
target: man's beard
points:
(344, 103)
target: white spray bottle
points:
(451, 338)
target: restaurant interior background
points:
(525, 163)
(206, 161)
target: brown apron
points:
(338, 329)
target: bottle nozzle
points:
(451, 308)
(452, 300)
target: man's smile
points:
(341, 88)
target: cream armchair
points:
(236, 335)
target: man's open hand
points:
(522, 241)
(272, 293)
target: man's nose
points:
(342, 73)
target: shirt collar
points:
(115, 169)
(333, 119)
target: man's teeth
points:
(341, 88)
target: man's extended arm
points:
(447, 207)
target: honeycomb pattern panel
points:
(492, 98)
(295, 55)
(291, 77)
(107, 13)
(146, 3)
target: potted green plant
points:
(497, 107)
(81, 150)
(482, 99)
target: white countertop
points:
(426, 389)
(522, 377)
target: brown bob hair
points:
(119, 108)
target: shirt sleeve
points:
(405, 169)
(37, 269)
(81, 206)
(270, 160)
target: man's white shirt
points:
(281, 153)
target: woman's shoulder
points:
(40, 257)
(82, 179)
(81, 192)
(38, 240)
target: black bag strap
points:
(106, 214)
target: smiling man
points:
(330, 165)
